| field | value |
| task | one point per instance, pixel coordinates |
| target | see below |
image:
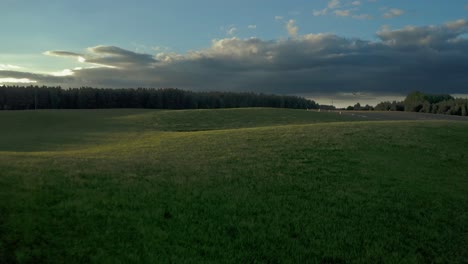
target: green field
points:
(230, 186)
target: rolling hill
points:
(231, 185)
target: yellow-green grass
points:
(239, 185)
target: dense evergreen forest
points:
(32, 97)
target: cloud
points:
(278, 18)
(437, 38)
(60, 53)
(15, 80)
(342, 13)
(117, 57)
(459, 25)
(292, 28)
(160, 49)
(393, 12)
(320, 12)
(362, 17)
(428, 58)
(252, 26)
(108, 56)
(231, 31)
(66, 72)
(6, 67)
(332, 4)
(466, 7)
(27, 77)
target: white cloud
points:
(393, 12)
(460, 24)
(433, 37)
(252, 26)
(385, 27)
(16, 80)
(278, 18)
(61, 53)
(66, 72)
(334, 4)
(363, 17)
(343, 13)
(320, 12)
(292, 28)
(7, 67)
(231, 31)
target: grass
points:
(240, 185)
(59, 129)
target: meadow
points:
(232, 186)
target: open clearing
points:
(233, 185)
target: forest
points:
(35, 97)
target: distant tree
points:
(436, 98)
(357, 106)
(397, 106)
(383, 106)
(414, 102)
(367, 108)
(426, 107)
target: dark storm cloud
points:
(430, 59)
(110, 56)
(118, 57)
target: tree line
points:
(34, 97)
(424, 103)
(358, 106)
(428, 103)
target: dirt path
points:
(391, 115)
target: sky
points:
(341, 50)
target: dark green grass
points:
(360, 192)
(196, 120)
(60, 129)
